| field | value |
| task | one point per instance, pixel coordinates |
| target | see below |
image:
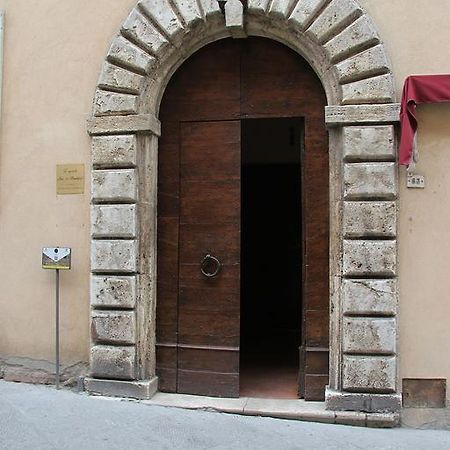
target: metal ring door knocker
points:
(210, 266)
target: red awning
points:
(418, 89)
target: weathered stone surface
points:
(141, 390)
(110, 103)
(356, 37)
(370, 403)
(370, 180)
(113, 292)
(369, 373)
(280, 8)
(114, 77)
(369, 297)
(113, 327)
(371, 90)
(114, 185)
(113, 362)
(114, 151)
(361, 114)
(258, 5)
(139, 29)
(352, 418)
(234, 18)
(370, 258)
(189, 10)
(125, 53)
(210, 8)
(369, 143)
(304, 12)
(161, 12)
(113, 221)
(333, 19)
(144, 123)
(368, 336)
(370, 62)
(383, 420)
(114, 256)
(370, 219)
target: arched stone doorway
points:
(341, 44)
(243, 175)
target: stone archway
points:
(341, 43)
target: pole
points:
(57, 329)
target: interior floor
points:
(271, 265)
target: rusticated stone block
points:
(210, 8)
(371, 258)
(139, 29)
(304, 12)
(114, 185)
(258, 5)
(113, 292)
(189, 10)
(114, 151)
(369, 62)
(111, 103)
(161, 11)
(370, 297)
(110, 362)
(371, 90)
(120, 79)
(113, 327)
(369, 373)
(140, 389)
(370, 403)
(333, 19)
(114, 256)
(360, 114)
(370, 180)
(356, 37)
(368, 336)
(370, 219)
(369, 143)
(113, 221)
(145, 123)
(280, 8)
(122, 51)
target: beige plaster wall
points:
(417, 37)
(53, 53)
(47, 98)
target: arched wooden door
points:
(199, 212)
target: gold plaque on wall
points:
(69, 179)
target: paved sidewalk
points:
(39, 417)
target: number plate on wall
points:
(56, 258)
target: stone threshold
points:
(276, 408)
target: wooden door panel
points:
(203, 202)
(209, 308)
(212, 360)
(201, 238)
(211, 384)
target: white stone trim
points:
(341, 43)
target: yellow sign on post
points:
(69, 179)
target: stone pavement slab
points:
(39, 417)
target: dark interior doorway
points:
(271, 261)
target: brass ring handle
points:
(210, 266)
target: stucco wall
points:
(53, 53)
(47, 98)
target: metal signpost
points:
(56, 258)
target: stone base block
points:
(141, 390)
(370, 403)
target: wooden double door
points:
(199, 282)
